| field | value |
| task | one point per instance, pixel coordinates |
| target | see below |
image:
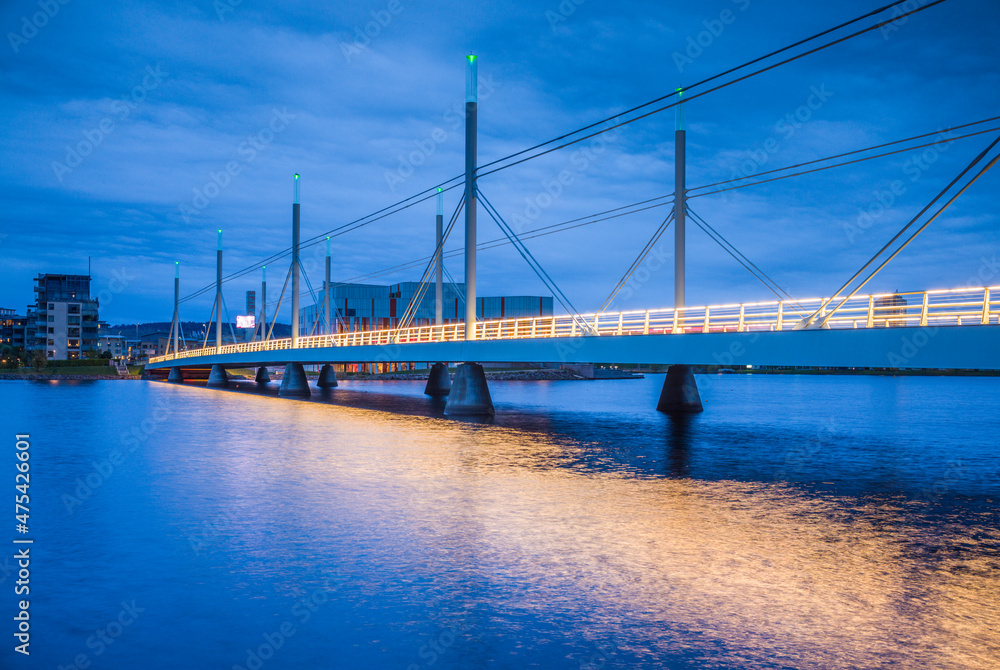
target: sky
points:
(132, 131)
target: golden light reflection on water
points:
(759, 573)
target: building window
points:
(51, 318)
(51, 306)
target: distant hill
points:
(190, 329)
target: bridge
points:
(955, 328)
(932, 329)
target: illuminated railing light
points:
(976, 308)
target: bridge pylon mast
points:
(680, 204)
(175, 328)
(327, 289)
(263, 303)
(295, 265)
(471, 113)
(679, 394)
(439, 262)
(218, 295)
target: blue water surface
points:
(799, 522)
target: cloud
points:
(355, 120)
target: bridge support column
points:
(262, 376)
(294, 383)
(470, 396)
(218, 379)
(176, 375)
(680, 392)
(327, 377)
(438, 381)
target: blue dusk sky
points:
(133, 130)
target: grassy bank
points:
(64, 371)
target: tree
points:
(38, 359)
(8, 357)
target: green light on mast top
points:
(680, 108)
(296, 182)
(472, 79)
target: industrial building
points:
(370, 306)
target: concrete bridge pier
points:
(262, 376)
(327, 377)
(470, 396)
(176, 375)
(680, 392)
(438, 381)
(294, 383)
(218, 379)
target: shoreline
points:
(41, 377)
(530, 375)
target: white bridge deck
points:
(955, 328)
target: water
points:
(800, 522)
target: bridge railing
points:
(950, 307)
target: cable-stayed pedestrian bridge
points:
(954, 328)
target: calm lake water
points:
(799, 522)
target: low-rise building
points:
(113, 344)
(12, 328)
